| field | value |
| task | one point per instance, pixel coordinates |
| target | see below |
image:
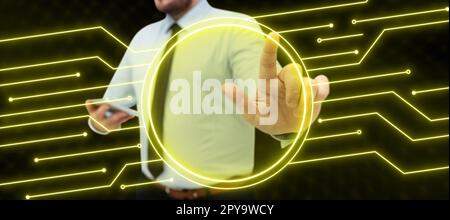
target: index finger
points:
(268, 68)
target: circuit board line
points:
(12, 99)
(44, 122)
(418, 92)
(103, 170)
(353, 52)
(407, 72)
(95, 187)
(329, 25)
(311, 9)
(387, 93)
(356, 21)
(47, 158)
(323, 120)
(79, 59)
(375, 42)
(376, 153)
(76, 75)
(84, 134)
(64, 107)
(358, 132)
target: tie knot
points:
(175, 28)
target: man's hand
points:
(289, 99)
(106, 124)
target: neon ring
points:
(228, 184)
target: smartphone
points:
(116, 108)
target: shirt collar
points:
(196, 13)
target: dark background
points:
(424, 50)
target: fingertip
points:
(273, 40)
(275, 36)
(322, 79)
(323, 88)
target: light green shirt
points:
(215, 145)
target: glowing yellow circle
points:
(283, 161)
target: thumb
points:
(322, 92)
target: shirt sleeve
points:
(118, 91)
(120, 86)
(285, 139)
(244, 53)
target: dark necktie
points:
(159, 99)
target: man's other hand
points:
(101, 122)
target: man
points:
(220, 145)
